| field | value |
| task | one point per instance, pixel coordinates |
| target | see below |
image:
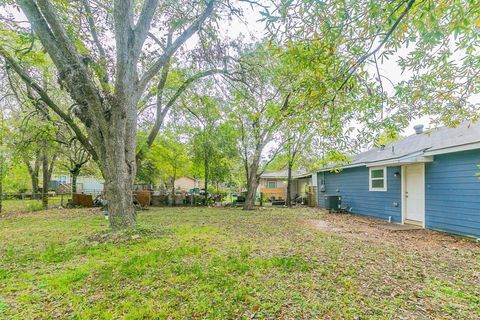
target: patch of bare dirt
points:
(370, 230)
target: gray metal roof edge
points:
(454, 146)
(370, 163)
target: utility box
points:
(333, 202)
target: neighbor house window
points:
(378, 179)
(271, 184)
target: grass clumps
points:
(199, 263)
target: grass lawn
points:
(226, 264)
(27, 205)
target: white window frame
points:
(268, 184)
(370, 179)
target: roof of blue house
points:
(419, 146)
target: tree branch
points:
(123, 22)
(364, 57)
(143, 24)
(162, 112)
(64, 55)
(160, 115)
(171, 49)
(48, 101)
(93, 31)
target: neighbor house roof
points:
(284, 174)
(418, 147)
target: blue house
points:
(428, 179)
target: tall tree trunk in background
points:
(75, 172)
(252, 184)
(34, 172)
(173, 185)
(2, 159)
(1, 187)
(74, 182)
(289, 186)
(205, 163)
(45, 173)
(35, 183)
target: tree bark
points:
(75, 172)
(205, 163)
(33, 171)
(1, 183)
(45, 174)
(117, 161)
(173, 189)
(74, 182)
(252, 185)
(289, 186)
(35, 182)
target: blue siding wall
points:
(452, 195)
(352, 184)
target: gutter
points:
(452, 149)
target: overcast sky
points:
(252, 28)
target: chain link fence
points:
(29, 202)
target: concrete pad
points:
(399, 227)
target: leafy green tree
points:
(74, 156)
(390, 135)
(440, 38)
(257, 109)
(297, 144)
(108, 82)
(212, 140)
(171, 157)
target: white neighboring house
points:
(85, 184)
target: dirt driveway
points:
(360, 228)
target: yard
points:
(27, 205)
(226, 264)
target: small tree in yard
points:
(74, 155)
(212, 141)
(3, 160)
(172, 159)
(297, 144)
(257, 110)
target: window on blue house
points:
(378, 179)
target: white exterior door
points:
(414, 193)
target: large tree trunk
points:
(117, 161)
(252, 185)
(289, 186)
(119, 194)
(45, 176)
